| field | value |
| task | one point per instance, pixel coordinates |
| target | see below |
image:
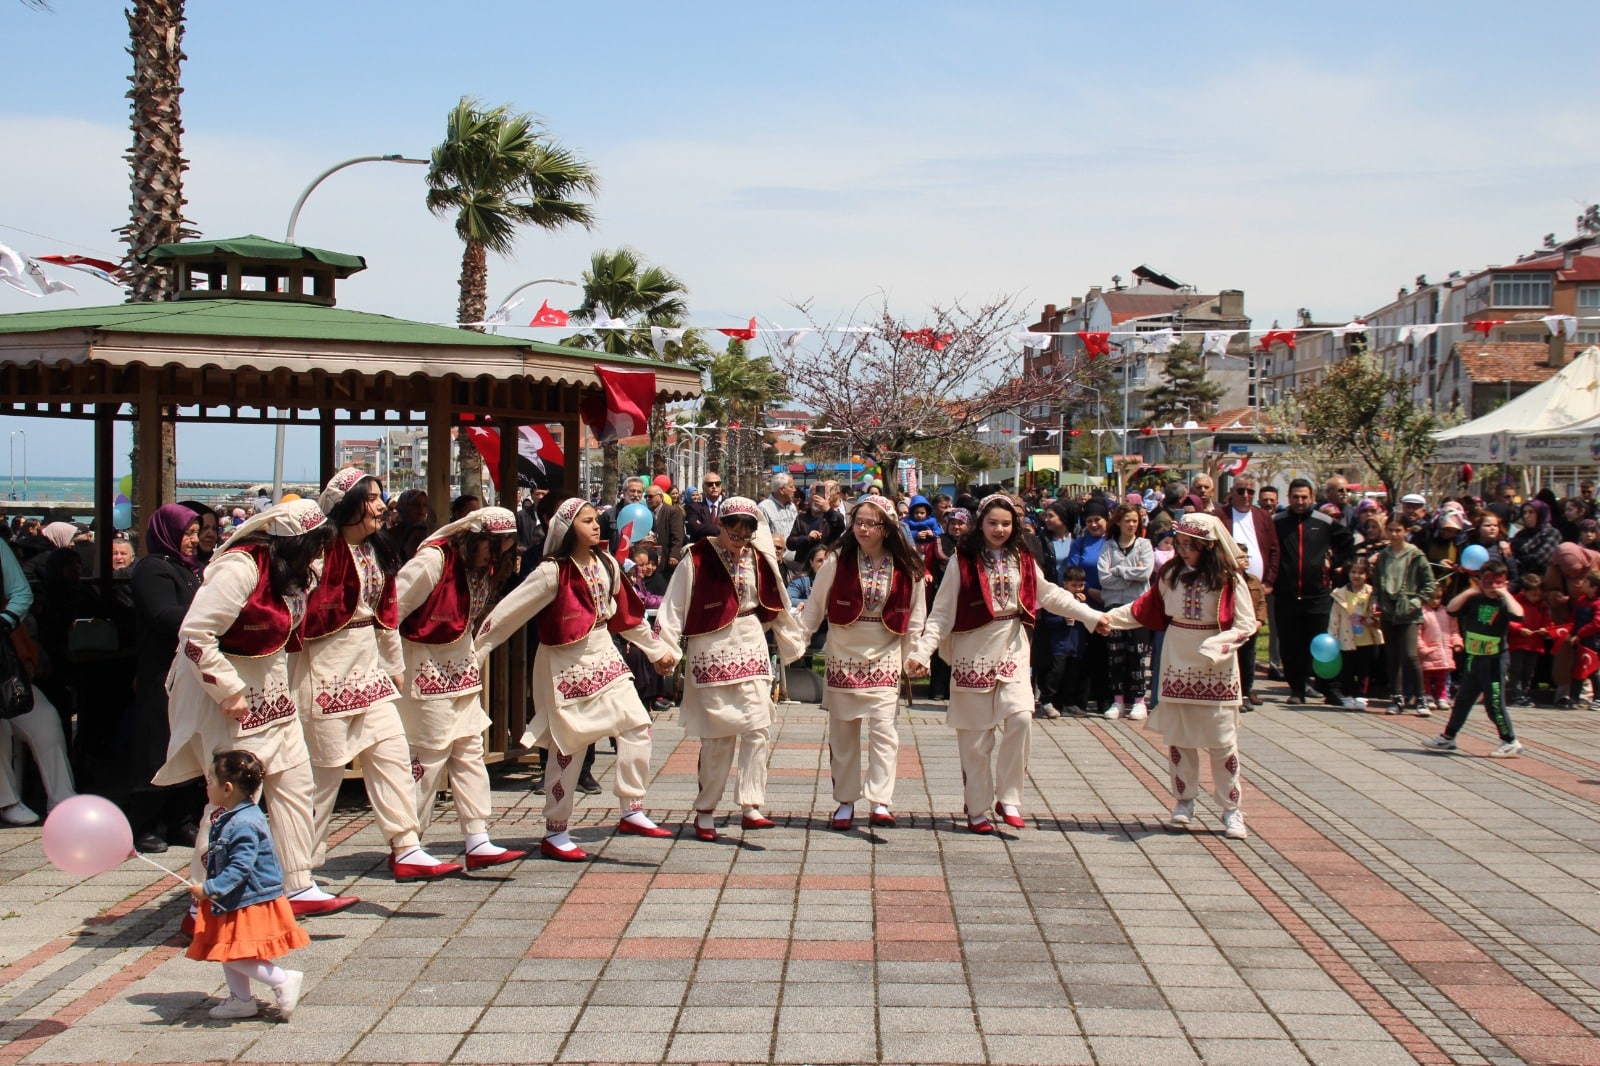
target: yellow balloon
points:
(666, 497)
(289, 497)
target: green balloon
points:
(125, 485)
(1329, 669)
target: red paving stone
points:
(914, 931)
(102, 992)
(684, 760)
(1556, 1050)
(567, 947)
(691, 881)
(1584, 787)
(856, 882)
(761, 880)
(909, 765)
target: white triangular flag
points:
(1355, 325)
(502, 314)
(852, 329)
(981, 429)
(1217, 340)
(1030, 339)
(603, 319)
(787, 337)
(1423, 332)
(1567, 323)
(660, 336)
(12, 270)
(1158, 340)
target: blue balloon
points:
(122, 514)
(639, 517)
(1473, 556)
(1324, 648)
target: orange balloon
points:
(289, 497)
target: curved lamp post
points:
(288, 238)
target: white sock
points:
(846, 810)
(313, 893)
(1008, 809)
(479, 844)
(749, 812)
(560, 841)
(415, 856)
(640, 819)
(977, 819)
(881, 808)
(707, 819)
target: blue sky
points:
(1313, 156)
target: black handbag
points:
(16, 691)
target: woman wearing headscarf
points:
(231, 687)
(578, 599)
(350, 667)
(1201, 601)
(1536, 542)
(722, 598)
(206, 546)
(980, 623)
(163, 584)
(443, 593)
(869, 592)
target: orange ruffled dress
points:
(260, 931)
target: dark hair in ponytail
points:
(241, 769)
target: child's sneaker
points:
(1183, 813)
(1397, 704)
(1139, 712)
(1348, 703)
(234, 1008)
(1421, 710)
(1115, 710)
(1233, 825)
(1509, 749)
(1442, 742)
(288, 993)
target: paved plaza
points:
(1392, 905)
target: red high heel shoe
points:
(422, 871)
(478, 862)
(634, 829)
(572, 854)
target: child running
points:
(1484, 610)
(246, 922)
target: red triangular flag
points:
(548, 316)
(1484, 325)
(746, 334)
(623, 409)
(1094, 344)
(1276, 336)
(926, 338)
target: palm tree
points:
(740, 390)
(494, 172)
(155, 36)
(620, 282)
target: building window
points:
(1589, 297)
(1522, 290)
(1589, 336)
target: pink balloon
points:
(86, 836)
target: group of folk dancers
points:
(309, 646)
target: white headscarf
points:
(1202, 525)
(61, 534)
(338, 485)
(744, 507)
(560, 522)
(484, 520)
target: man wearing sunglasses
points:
(700, 516)
(1252, 529)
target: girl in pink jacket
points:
(1438, 640)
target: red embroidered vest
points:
(332, 603)
(264, 624)
(570, 616)
(975, 608)
(846, 600)
(712, 602)
(442, 617)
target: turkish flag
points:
(1276, 336)
(1484, 325)
(746, 334)
(926, 338)
(623, 410)
(539, 458)
(1097, 343)
(548, 316)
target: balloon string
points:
(163, 869)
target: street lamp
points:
(502, 305)
(288, 238)
(11, 441)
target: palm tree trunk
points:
(473, 288)
(658, 440)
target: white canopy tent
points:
(1570, 398)
(1577, 445)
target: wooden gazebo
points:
(254, 336)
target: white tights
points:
(242, 971)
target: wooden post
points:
(148, 487)
(326, 460)
(571, 456)
(439, 418)
(104, 489)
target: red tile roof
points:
(1584, 267)
(1523, 362)
(1125, 305)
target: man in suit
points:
(632, 492)
(1252, 528)
(700, 517)
(668, 531)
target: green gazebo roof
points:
(251, 246)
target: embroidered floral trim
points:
(1003, 578)
(724, 667)
(579, 682)
(357, 697)
(264, 707)
(858, 674)
(875, 581)
(372, 579)
(984, 672)
(192, 650)
(477, 595)
(416, 768)
(443, 678)
(1183, 683)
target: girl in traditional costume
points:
(582, 688)
(1201, 602)
(444, 592)
(980, 625)
(229, 688)
(722, 598)
(869, 592)
(351, 668)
